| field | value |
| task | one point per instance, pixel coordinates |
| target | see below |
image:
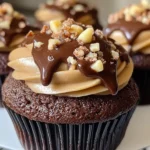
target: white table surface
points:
(137, 135)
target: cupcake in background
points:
(63, 9)
(13, 28)
(130, 27)
(71, 88)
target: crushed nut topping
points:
(37, 44)
(80, 52)
(76, 29)
(52, 43)
(91, 57)
(89, 48)
(55, 25)
(138, 12)
(72, 63)
(71, 60)
(95, 47)
(99, 33)
(78, 8)
(5, 24)
(115, 55)
(97, 66)
(46, 29)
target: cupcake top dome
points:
(131, 27)
(13, 27)
(63, 9)
(71, 59)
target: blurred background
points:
(105, 7)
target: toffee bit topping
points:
(52, 43)
(55, 25)
(80, 52)
(96, 56)
(30, 34)
(46, 29)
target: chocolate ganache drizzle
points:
(48, 61)
(70, 12)
(131, 29)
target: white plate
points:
(137, 135)
(8, 137)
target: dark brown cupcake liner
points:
(35, 135)
(142, 78)
(2, 79)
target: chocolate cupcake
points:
(130, 27)
(13, 28)
(71, 88)
(63, 9)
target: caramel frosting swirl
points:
(13, 27)
(60, 64)
(130, 27)
(60, 9)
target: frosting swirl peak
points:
(70, 48)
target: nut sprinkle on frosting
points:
(131, 21)
(12, 23)
(80, 47)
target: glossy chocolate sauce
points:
(17, 26)
(131, 29)
(48, 61)
(77, 15)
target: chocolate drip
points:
(77, 15)
(48, 61)
(7, 35)
(131, 29)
